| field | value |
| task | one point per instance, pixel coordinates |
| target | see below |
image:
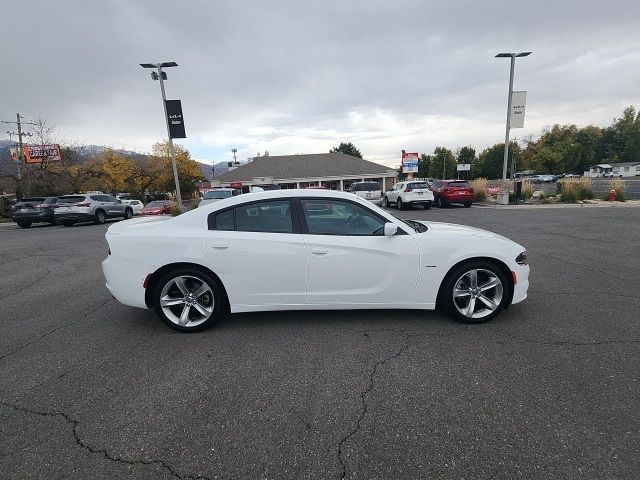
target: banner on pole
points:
(518, 104)
(37, 153)
(175, 118)
(409, 162)
(463, 167)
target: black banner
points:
(176, 120)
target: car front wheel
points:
(427, 205)
(399, 204)
(386, 202)
(188, 300)
(23, 224)
(440, 203)
(101, 217)
(475, 292)
(128, 214)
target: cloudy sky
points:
(301, 76)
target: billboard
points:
(38, 153)
(518, 104)
(409, 162)
(462, 167)
(175, 119)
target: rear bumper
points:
(124, 278)
(74, 216)
(457, 198)
(419, 202)
(32, 217)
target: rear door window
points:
(273, 216)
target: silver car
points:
(93, 207)
(217, 194)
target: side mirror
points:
(390, 229)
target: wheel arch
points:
(155, 276)
(496, 261)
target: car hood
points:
(455, 230)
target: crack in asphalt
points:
(82, 318)
(81, 443)
(570, 343)
(30, 284)
(372, 374)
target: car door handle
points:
(220, 246)
(319, 251)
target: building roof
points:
(283, 167)
(625, 164)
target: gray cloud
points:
(300, 76)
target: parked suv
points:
(90, 208)
(367, 190)
(411, 192)
(34, 210)
(452, 191)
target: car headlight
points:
(522, 258)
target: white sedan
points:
(308, 250)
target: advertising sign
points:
(463, 167)
(409, 162)
(518, 104)
(39, 153)
(176, 120)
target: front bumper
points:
(522, 283)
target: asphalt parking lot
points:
(550, 389)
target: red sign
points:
(41, 153)
(236, 184)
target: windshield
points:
(71, 199)
(211, 194)
(366, 187)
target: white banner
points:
(518, 104)
(462, 167)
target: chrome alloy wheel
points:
(187, 301)
(477, 293)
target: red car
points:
(446, 192)
(157, 207)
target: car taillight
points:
(82, 205)
(409, 189)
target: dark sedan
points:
(34, 210)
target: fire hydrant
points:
(612, 195)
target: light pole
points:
(162, 76)
(512, 56)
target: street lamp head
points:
(508, 55)
(523, 54)
(501, 55)
(148, 65)
(168, 64)
(161, 65)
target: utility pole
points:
(19, 153)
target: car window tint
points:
(97, 198)
(71, 199)
(32, 201)
(458, 184)
(224, 220)
(274, 216)
(338, 217)
(365, 187)
(418, 185)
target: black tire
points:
(445, 296)
(399, 204)
(23, 223)
(101, 217)
(441, 203)
(219, 301)
(68, 223)
(427, 206)
(128, 214)
(467, 204)
(385, 203)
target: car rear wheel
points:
(399, 204)
(467, 204)
(101, 217)
(128, 213)
(68, 223)
(386, 202)
(441, 203)
(475, 292)
(188, 300)
(23, 223)
(427, 206)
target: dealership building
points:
(335, 171)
